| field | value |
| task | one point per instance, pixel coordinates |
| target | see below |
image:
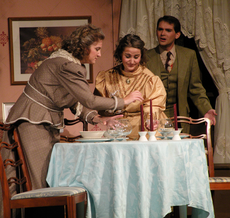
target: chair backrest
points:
(70, 123)
(13, 168)
(75, 121)
(203, 127)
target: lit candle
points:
(142, 119)
(151, 115)
(175, 117)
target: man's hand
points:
(211, 114)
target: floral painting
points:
(32, 40)
(37, 44)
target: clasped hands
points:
(132, 97)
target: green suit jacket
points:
(189, 82)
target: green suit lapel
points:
(182, 69)
(155, 63)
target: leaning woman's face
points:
(131, 58)
(94, 53)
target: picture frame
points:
(6, 106)
(33, 39)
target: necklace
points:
(127, 80)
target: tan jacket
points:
(57, 84)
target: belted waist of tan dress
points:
(131, 114)
(40, 98)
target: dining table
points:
(135, 179)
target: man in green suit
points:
(179, 72)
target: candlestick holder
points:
(176, 134)
(152, 136)
(143, 136)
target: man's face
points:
(166, 35)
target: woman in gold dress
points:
(130, 74)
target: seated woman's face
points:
(131, 58)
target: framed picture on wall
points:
(32, 40)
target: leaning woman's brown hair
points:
(81, 39)
(130, 40)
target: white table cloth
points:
(135, 179)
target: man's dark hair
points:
(171, 20)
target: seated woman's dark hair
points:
(79, 42)
(130, 40)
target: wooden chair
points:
(216, 183)
(203, 130)
(70, 123)
(45, 197)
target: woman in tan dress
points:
(59, 83)
(131, 75)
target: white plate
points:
(170, 137)
(93, 140)
(160, 137)
(120, 139)
(182, 136)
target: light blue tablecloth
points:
(135, 179)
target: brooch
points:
(128, 81)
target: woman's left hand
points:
(155, 125)
(106, 120)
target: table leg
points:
(183, 211)
(198, 213)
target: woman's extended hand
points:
(105, 120)
(155, 124)
(132, 97)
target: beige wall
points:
(104, 13)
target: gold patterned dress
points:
(123, 83)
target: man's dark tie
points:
(167, 61)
